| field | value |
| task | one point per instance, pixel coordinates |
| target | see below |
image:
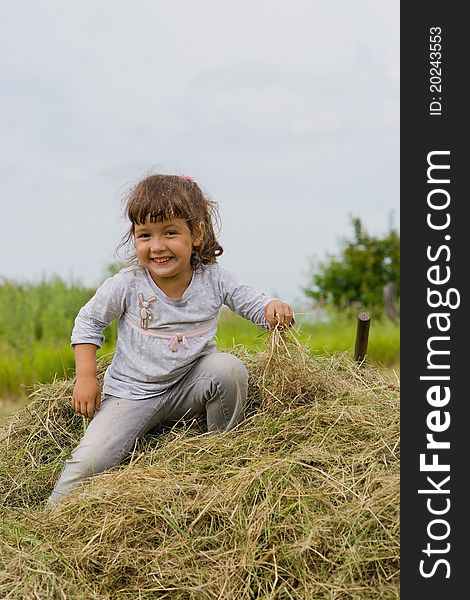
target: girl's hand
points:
(86, 397)
(278, 312)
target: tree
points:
(356, 278)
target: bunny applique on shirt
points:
(174, 338)
(145, 314)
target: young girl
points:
(165, 366)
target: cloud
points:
(287, 114)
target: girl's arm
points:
(86, 397)
(253, 305)
(108, 303)
(87, 336)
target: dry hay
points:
(299, 501)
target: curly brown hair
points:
(162, 197)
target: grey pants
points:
(216, 385)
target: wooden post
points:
(362, 337)
(390, 299)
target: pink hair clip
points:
(187, 178)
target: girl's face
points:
(164, 249)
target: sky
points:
(286, 114)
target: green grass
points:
(36, 321)
(35, 325)
(42, 362)
(336, 335)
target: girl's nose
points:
(157, 243)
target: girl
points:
(165, 366)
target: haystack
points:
(300, 501)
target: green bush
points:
(356, 278)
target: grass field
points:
(323, 337)
(36, 321)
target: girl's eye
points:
(171, 233)
(143, 235)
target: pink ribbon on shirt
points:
(175, 340)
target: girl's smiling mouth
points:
(160, 261)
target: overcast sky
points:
(286, 114)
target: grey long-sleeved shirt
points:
(160, 338)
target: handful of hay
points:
(301, 500)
